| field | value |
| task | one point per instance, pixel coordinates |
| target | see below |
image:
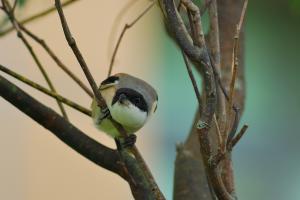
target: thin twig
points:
(237, 138)
(11, 17)
(116, 24)
(56, 59)
(234, 107)
(235, 53)
(193, 80)
(46, 91)
(72, 43)
(14, 6)
(235, 63)
(37, 16)
(214, 45)
(221, 155)
(125, 28)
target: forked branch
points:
(125, 28)
(37, 16)
(8, 10)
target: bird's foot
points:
(126, 142)
(105, 113)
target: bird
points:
(130, 102)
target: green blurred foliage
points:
(295, 6)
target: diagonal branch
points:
(10, 14)
(235, 59)
(46, 91)
(37, 16)
(229, 13)
(65, 131)
(56, 59)
(125, 28)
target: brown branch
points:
(46, 91)
(222, 155)
(195, 22)
(237, 138)
(10, 14)
(37, 16)
(228, 15)
(125, 28)
(56, 59)
(193, 79)
(101, 103)
(65, 131)
(201, 59)
(214, 46)
(235, 59)
(14, 6)
(72, 43)
(197, 92)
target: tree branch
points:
(200, 59)
(65, 131)
(125, 28)
(37, 16)
(46, 91)
(8, 10)
(56, 59)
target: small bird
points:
(130, 102)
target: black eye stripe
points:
(132, 96)
(109, 80)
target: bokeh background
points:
(35, 165)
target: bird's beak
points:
(122, 98)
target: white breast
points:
(129, 116)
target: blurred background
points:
(35, 165)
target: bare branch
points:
(201, 59)
(46, 91)
(125, 28)
(237, 138)
(72, 43)
(14, 6)
(37, 16)
(65, 131)
(235, 56)
(56, 59)
(11, 17)
(193, 80)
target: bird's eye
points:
(137, 100)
